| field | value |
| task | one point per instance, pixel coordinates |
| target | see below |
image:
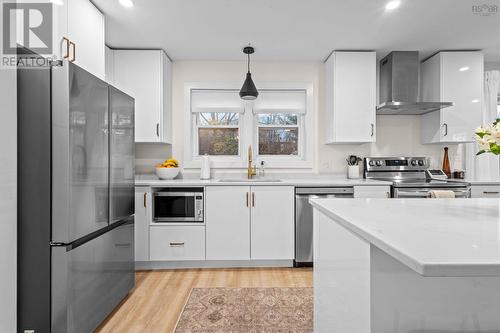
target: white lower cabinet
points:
(485, 191)
(249, 222)
(227, 217)
(272, 224)
(177, 243)
(142, 220)
(372, 191)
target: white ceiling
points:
(298, 29)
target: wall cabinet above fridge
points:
(146, 75)
(457, 77)
(79, 35)
(350, 97)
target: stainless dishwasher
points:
(304, 218)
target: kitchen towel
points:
(441, 194)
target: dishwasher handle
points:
(323, 196)
(324, 191)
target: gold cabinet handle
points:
(253, 199)
(145, 203)
(65, 39)
(247, 200)
(73, 46)
(176, 243)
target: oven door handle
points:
(425, 193)
(412, 194)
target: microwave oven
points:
(178, 205)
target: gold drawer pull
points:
(176, 243)
(253, 199)
(66, 40)
(73, 46)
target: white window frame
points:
(248, 131)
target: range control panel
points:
(396, 163)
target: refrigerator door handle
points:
(58, 244)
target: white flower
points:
(494, 136)
(480, 130)
(484, 143)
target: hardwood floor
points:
(159, 296)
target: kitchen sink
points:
(243, 180)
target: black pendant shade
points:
(248, 91)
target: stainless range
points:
(411, 177)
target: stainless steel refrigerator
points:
(75, 198)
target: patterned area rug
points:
(249, 310)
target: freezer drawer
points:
(90, 280)
(177, 242)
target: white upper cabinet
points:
(350, 91)
(79, 35)
(455, 77)
(146, 75)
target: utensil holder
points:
(353, 171)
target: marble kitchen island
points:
(407, 265)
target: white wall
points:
(492, 66)
(8, 203)
(396, 135)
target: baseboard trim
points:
(151, 265)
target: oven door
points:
(424, 192)
(171, 207)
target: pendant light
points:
(248, 90)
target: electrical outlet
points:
(326, 164)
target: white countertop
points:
(482, 181)
(322, 180)
(435, 237)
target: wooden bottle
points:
(446, 163)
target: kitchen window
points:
(222, 126)
(217, 123)
(278, 134)
(279, 117)
(218, 133)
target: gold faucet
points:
(251, 171)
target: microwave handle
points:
(176, 194)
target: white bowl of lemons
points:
(169, 169)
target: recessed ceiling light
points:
(392, 5)
(475, 101)
(58, 2)
(463, 69)
(126, 3)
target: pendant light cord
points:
(248, 55)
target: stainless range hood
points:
(399, 86)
